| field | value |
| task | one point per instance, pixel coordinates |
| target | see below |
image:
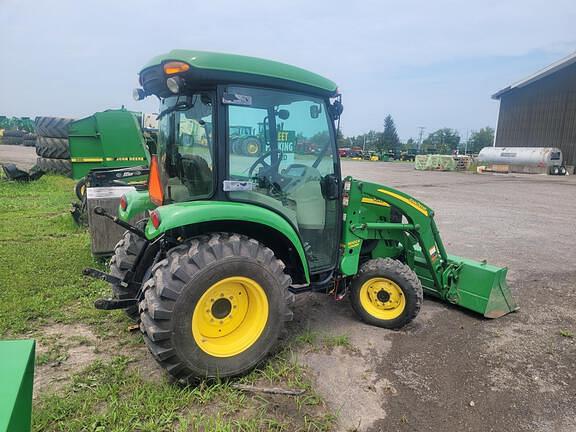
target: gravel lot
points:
(23, 157)
(452, 370)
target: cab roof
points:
(213, 68)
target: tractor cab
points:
(251, 137)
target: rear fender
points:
(138, 202)
(230, 217)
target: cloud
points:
(408, 58)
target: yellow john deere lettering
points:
(97, 159)
(411, 202)
(375, 201)
(86, 159)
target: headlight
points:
(175, 84)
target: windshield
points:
(186, 148)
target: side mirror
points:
(315, 111)
(283, 114)
(336, 109)
(138, 94)
(330, 187)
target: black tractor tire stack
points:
(29, 140)
(13, 137)
(52, 145)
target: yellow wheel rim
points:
(252, 148)
(382, 298)
(230, 316)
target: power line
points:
(420, 136)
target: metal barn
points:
(540, 110)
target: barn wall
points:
(542, 114)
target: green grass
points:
(337, 341)
(316, 340)
(43, 253)
(111, 396)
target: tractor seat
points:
(196, 174)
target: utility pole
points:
(420, 137)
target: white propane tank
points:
(526, 156)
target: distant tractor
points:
(244, 141)
(211, 274)
(408, 155)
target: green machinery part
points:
(17, 378)
(473, 285)
(108, 139)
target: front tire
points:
(386, 293)
(215, 307)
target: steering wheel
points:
(270, 169)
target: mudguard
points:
(138, 202)
(187, 213)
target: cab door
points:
(289, 161)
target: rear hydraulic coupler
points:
(102, 212)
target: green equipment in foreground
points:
(232, 237)
(17, 378)
(109, 139)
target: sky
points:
(427, 63)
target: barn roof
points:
(548, 70)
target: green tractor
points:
(243, 141)
(231, 238)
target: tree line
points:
(441, 141)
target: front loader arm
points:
(368, 210)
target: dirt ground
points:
(23, 157)
(449, 370)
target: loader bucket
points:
(482, 288)
(479, 286)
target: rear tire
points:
(55, 127)
(80, 189)
(12, 140)
(386, 293)
(53, 148)
(29, 142)
(125, 254)
(14, 133)
(192, 335)
(250, 146)
(57, 166)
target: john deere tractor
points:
(231, 238)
